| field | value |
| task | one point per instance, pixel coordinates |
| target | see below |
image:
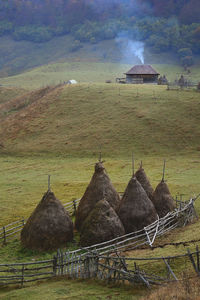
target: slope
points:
(76, 119)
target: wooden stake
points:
(49, 183)
(133, 164)
(141, 164)
(100, 154)
(163, 177)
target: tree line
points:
(172, 25)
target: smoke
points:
(130, 49)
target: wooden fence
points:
(111, 268)
(12, 229)
(88, 261)
(21, 273)
(186, 86)
(115, 268)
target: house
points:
(142, 74)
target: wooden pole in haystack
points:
(49, 182)
(163, 177)
(133, 164)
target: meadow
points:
(60, 131)
(87, 71)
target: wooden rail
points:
(89, 262)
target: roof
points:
(142, 69)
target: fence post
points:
(193, 262)
(54, 265)
(22, 281)
(4, 235)
(74, 206)
(197, 250)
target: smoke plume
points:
(130, 49)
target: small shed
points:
(142, 74)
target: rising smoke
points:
(130, 49)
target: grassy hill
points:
(59, 130)
(75, 120)
(19, 56)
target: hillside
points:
(19, 56)
(59, 130)
(75, 120)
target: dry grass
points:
(186, 289)
(75, 120)
(60, 132)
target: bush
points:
(75, 46)
(32, 33)
(5, 28)
(187, 61)
(185, 52)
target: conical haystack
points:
(144, 181)
(162, 199)
(49, 226)
(100, 187)
(102, 224)
(136, 210)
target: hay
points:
(144, 181)
(136, 210)
(162, 199)
(100, 187)
(49, 226)
(101, 225)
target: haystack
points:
(162, 199)
(144, 181)
(102, 224)
(49, 226)
(100, 187)
(136, 210)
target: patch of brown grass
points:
(186, 289)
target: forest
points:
(172, 25)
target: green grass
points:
(87, 71)
(60, 133)
(64, 288)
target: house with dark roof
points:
(142, 74)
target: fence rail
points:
(89, 262)
(111, 268)
(12, 229)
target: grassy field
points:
(73, 289)
(59, 131)
(87, 71)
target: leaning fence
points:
(115, 268)
(14, 228)
(81, 263)
(111, 268)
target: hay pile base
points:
(136, 210)
(144, 181)
(49, 227)
(163, 200)
(100, 187)
(101, 225)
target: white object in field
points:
(72, 81)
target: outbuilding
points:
(142, 74)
